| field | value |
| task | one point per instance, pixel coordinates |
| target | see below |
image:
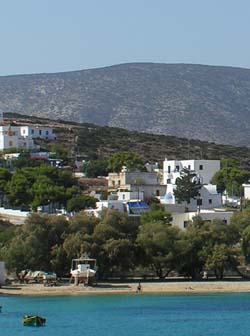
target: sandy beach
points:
(129, 288)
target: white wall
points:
(37, 132)
(205, 168)
(246, 191)
(8, 137)
(181, 220)
(208, 195)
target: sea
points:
(129, 315)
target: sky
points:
(38, 36)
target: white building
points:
(246, 191)
(37, 132)
(22, 137)
(132, 207)
(204, 169)
(9, 137)
(181, 220)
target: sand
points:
(129, 288)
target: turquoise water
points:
(120, 315)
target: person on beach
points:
(139, 288)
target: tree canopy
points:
(187, 186)
(128, 159)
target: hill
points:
(88, 141)
(208, 103)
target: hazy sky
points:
(62, 35)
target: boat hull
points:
(34, 321)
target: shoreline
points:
(186, 287)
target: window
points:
(199, 202)
(169, 169)
(10, 143)
(189, 167)
(32, 131)
(47, 132)
(201, 167)
(177, 168)
(157, 192)
(40, 132)
(210, 201)
(185, 224)
(113, 183)
(168, 181)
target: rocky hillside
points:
(88, 141)
(193, 101)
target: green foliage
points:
(10, 150)
(229, 163)
(5, 176)
(128, 159)
(32, 246)
(80, 202)
(60, 151)
(42, 185)
(156, 214)
(160, 244)
(121, 245)
(203, 245)
(217, 260)
(96, 168)
(231, 178)
(187, 187)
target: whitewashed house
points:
(204, 169)
(37, 132)
(9, 137)
(182, 220)
(22, 137)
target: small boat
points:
(83, 270)
(34, 320)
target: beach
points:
(171, 287)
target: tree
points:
(218, 259)
(120, 254)
(80, 202)
(34, 242)
(245, 244)
(5, 176)
(203, 247)
(83, 223)
(231, 178)
(187, 186)
(157, 213)
(128, 159)
(160, 244)
(113, 243)
(96, 168)
(18, 189)
(60, 152)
